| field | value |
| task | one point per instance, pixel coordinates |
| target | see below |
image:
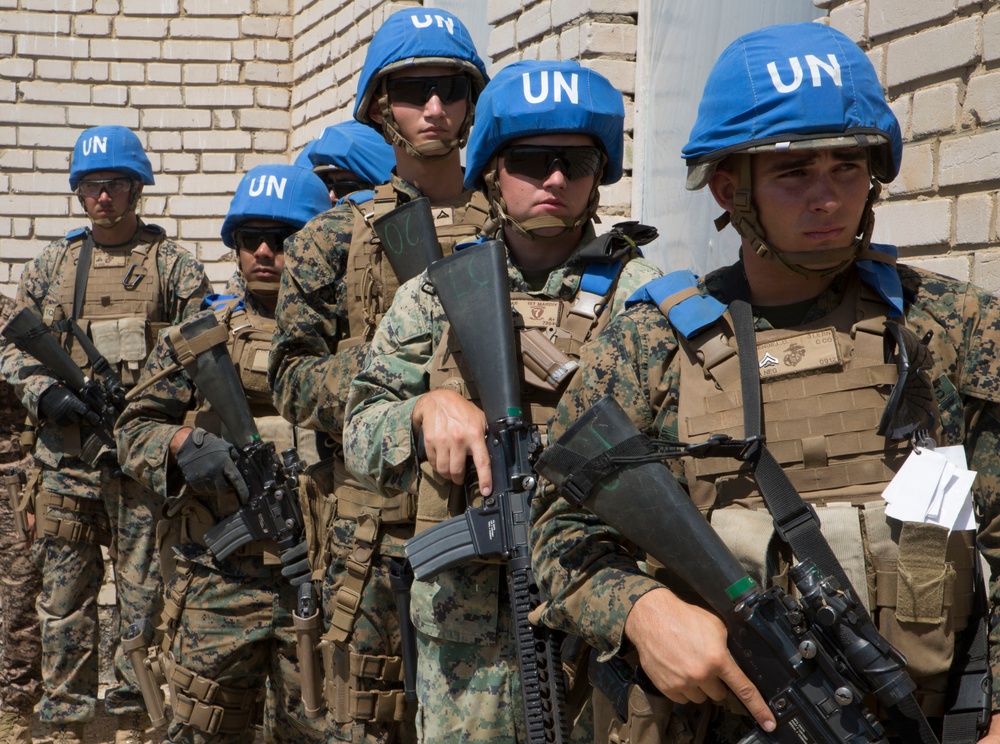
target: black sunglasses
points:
(537, 161)
(113, 186)
(250, 238)
(418, 90)
(346, 186)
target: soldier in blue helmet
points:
(547, 135)
(228, 622)
(118, 281)
(351, 158)
(417, 89)
(794, 139)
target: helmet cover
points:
(109, 148)
(351, 146)
(284, 193)
(793, 83)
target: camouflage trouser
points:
(20, 583)
(236, 630)
(72, 572)
(376, 631)
(471, 691)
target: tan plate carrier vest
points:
(122, 314)
(824, 388)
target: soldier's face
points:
(437, 119)
(105, 205)
(555, 194)
(259, 260)
(812, 199)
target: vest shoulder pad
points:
(73, 235)
(877, 269)
(681, 301)
(220, 302)
(357, 197)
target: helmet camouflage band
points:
(789, 87)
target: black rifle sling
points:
(794, 520)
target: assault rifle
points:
(272, 511)
(408, 238)
(104, 397)
(474, 292)
(813, 659)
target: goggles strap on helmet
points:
(744, 219)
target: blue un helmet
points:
(410, 37)
(531, 98)
(788, 87)
(111, 148)
(350, 146)
(287, 194)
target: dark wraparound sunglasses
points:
(250, 238)
(537, 161)
(346, 186)
(113, 186)
(417, 90)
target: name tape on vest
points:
(796, 354)
(539, 313)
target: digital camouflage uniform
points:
(467, 674)
(311, 376)
(20, 582)
(109, 508)
(589, 573)
(228, 621)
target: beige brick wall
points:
(937, 60)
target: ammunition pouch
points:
(346, 675)
(208, 706)
(72, 519)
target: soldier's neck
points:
(771, 284)
(535, 255)
(438, 179)
(118, 234)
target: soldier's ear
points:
(723, 185)
(374, 112)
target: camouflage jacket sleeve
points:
(309, 378)
(379, 446)
(12, 414)
(29, 378)
(588, 573)
(183, 283)
(148, 423)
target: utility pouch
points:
(105, 335)
(545, 366)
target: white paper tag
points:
(933, 487)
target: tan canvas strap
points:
(208, 706)
(378, 705)
(66, 527)
(378, 668)
(173, 600)
(716, 352)
(358, 565)
(187, 350)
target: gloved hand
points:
(295, 564)
(60, 405)
(208, 464)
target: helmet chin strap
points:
(435, 150)
(803, 263)
(529, 227)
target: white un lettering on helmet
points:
(442, 22)
(560, 84)
(94, 144)
(273, 186)
(816, 68)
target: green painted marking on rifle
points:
(513, 411)
(743, 585)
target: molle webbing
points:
(349, 703)
(208, 706)
(371, 282)
(92, 526)
(249, 346)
